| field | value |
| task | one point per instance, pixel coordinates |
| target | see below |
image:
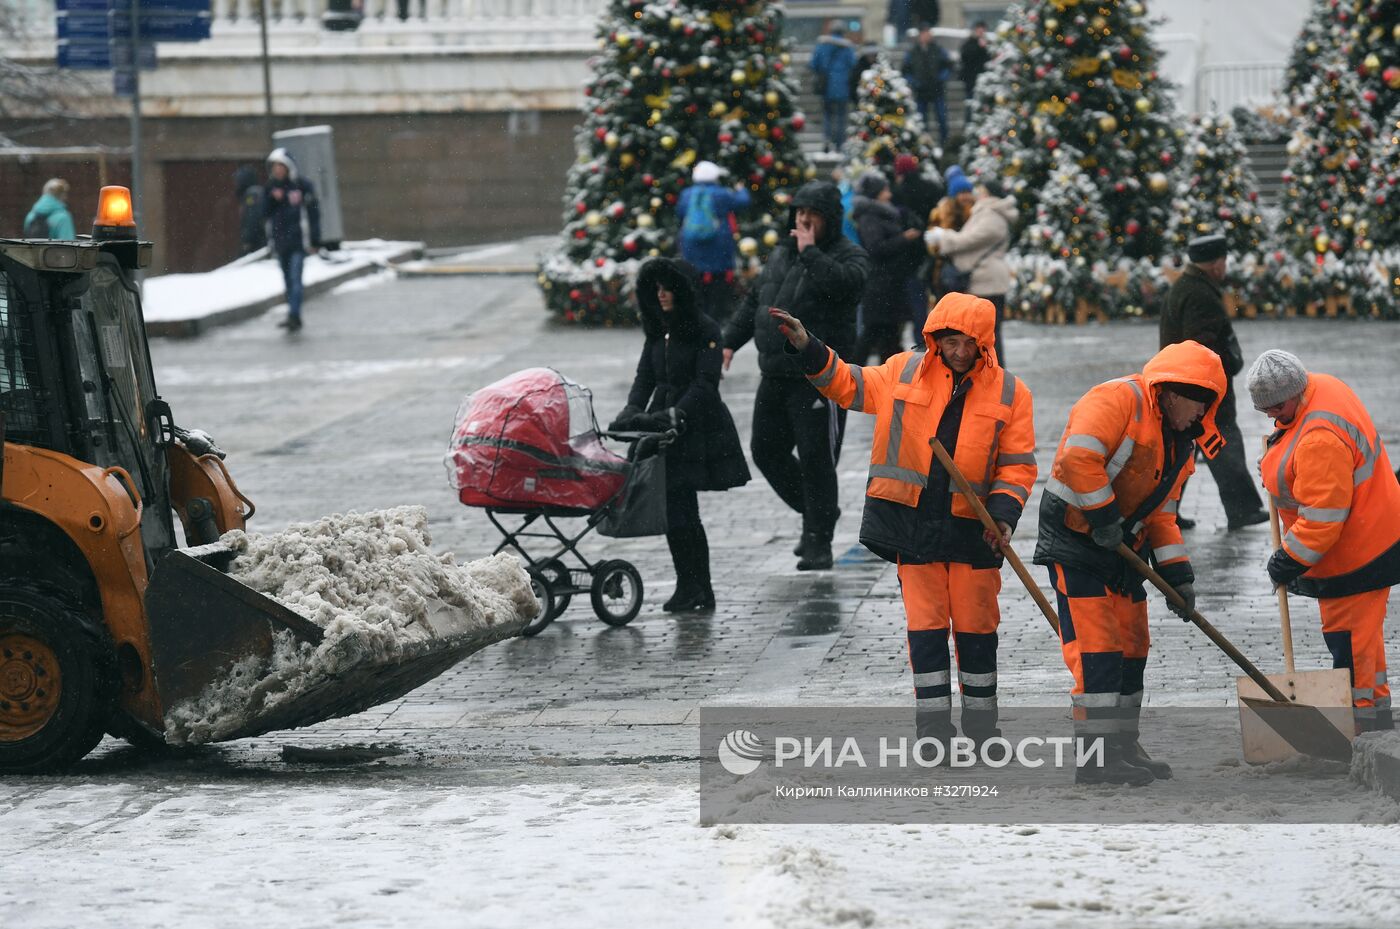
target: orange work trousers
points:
(1354, 629)
(1104, 639)
(943, 595)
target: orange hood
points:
(969, 315)
(1190, 363)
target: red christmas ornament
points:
(600, 261)
(1119, 187)
(1125, 53)
(600, 133)
(778, 66)
(1074, 96)
(1041, 71)
(581, 208)
(1353, 163)
(575, 295)
(759, 35)
(1254, 196)
(616, 210)
(648, 180)
(765, 160)
(692, 109)
(777, 133)
(1080, 210)
(671, 199)
(1391, 76)
(1052, 143)
(629, 246)
(688, 31)
(666, 72)
(725, 138)
(1069, 41)
(985, 140)
(1369, 95)
(798, 121)
(1278, 257)
(580, 234)
(1132, 227)
(1326, 206)
(1380, 199)
(1166, 158)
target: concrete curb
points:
(467, 270)
(187, 328)
(1375, 762)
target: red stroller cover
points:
(530, 441)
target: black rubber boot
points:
(816, 553)
(679, 543)
(1115, 770)
(690, 551)
(979, 726)
(1135, 755)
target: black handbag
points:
(640, 509)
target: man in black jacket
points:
(1196, 311)
(818, 276)
(293, 220)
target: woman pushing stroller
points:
(677, 381)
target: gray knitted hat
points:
(1274, 377)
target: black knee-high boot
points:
(678, 540)
(690, 551)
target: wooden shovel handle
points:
(1012, 558)
(1284, 619)
(1214, 634)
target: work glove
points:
(624, 420)
(1187, 592)
(1109, 537)
(1283, 570)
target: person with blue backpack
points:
(707, 237)
(49, 217)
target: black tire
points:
(540, 585)
(617, 592)
(559, 583)
(47, 728)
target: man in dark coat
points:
(293, 226)
(972, 58)
(927, 67)
(677, 382)
(817, 275)
(1195, 311)
(896, 249)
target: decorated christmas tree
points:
(1216, 189)
(1377, 285)
(1060, 254)
(1320, 37)
(1081, 76)
(1370, 37)
(676, 83)
(1328, 166)
(885, 122)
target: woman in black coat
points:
(678, 378)
(894, 241)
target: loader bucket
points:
(217, 645)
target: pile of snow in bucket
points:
(370, 581)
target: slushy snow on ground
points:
(373, 584)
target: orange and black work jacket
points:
(1119, 462)
(913, 511)
(1331, 480)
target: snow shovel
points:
(1301, 726)
(1328, 689)
(1012, 558)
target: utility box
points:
(313, 149)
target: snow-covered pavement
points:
(554, 781)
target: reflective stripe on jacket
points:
(995, 447)
(1336, 493)
(1114, 465)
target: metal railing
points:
(1227, 85)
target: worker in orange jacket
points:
(1117, 478)
(949, 565)
(1339, 501)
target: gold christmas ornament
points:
(668, 142)
(655, 203)
(626, 159)
(810, 173)
(623, 39)
(645, 221)
(1107, 123)
(737, 76)
(1052, 24)
(1158, 183)
(655, 116)
(748, 246)
(593, 219)
(1372, 61)
(677, 24)
(1321, 243)
(610, 140)
(770, 238)
(1347, 220)
(771, 98)
(1395, 33)
(634, 72)
(1142, 105)
(704, 62)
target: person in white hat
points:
(1331, 479)
(707, 233)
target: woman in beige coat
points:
(979, 248)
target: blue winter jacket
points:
(834, 58)
(60, 220)
(714, 255)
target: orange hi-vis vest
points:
(1336, 493)
(907, 394)
(1111, 464)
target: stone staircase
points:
(1268, 159)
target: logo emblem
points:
(741, 752)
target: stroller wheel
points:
(617, 592)
(539, 585)
(559, 583)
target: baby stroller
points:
(527, 450)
